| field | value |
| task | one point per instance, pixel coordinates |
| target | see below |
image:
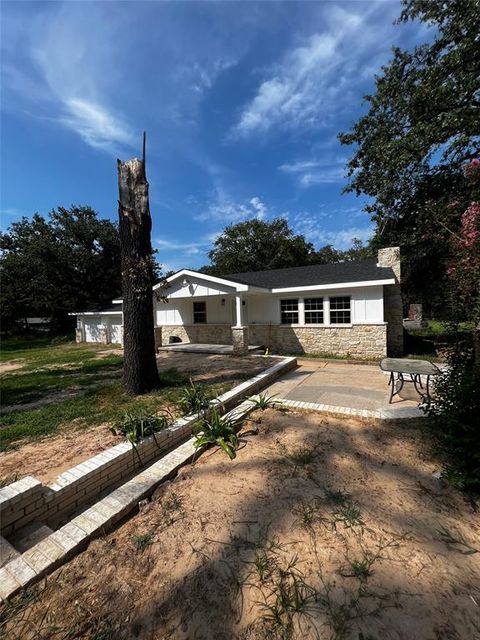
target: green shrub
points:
(455, 409)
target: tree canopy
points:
(254, 245)
(50, 267)
(421, 131)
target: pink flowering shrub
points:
(470, 230)
(464, 265)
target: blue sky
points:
(242, 103)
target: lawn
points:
(73, 394)
(319, 528)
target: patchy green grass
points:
(87, 381)
(440, 330)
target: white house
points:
(347, 308)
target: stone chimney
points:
(392, 300)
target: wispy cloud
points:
(185, 248)
(310, 226)
(97, 126)
(225, 210)
(311, 172)
(67, 75)
(314, 80)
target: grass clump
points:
(309, 513)
(142, 541)
(171, 508)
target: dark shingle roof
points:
(339, 272)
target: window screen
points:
(199, 312)
(289, 311)
(340, 310)
(313, 310)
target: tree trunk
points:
(140, 372)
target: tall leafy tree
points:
(422, 128)
(254, 245)
(50, 267)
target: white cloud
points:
(96, 125)
(186, 248)
(314, 81)
(68, 75)
(310, 172)
(223, 209)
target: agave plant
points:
(219, 431)
(194, 399)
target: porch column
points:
(238, 311)
(239, 332)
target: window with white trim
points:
(340, 310)
(199, 312)
(289, 311)
(313, 310)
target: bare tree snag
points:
(140, 373)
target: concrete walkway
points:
(356, 387)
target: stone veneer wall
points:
(198, 333)
(392, 301)
(361, 340)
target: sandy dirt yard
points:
(320, 528)
(48, 457)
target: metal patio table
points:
(400, 367)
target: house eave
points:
(335, 285)
(208, 278)
(96, 313)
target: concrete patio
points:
(213, 349)
(354, 388)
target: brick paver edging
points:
(407, 413)
(58, 547)
(63, 544)
(28, 499)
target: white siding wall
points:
(180, 311)
(366, 305)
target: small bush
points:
(455, 409)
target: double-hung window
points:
(199, 312)
(289, 311)
(313, 310)
(340, 310)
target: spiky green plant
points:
(194, 399)
(218, 430)
(262, 401)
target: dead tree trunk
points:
(140, 372)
